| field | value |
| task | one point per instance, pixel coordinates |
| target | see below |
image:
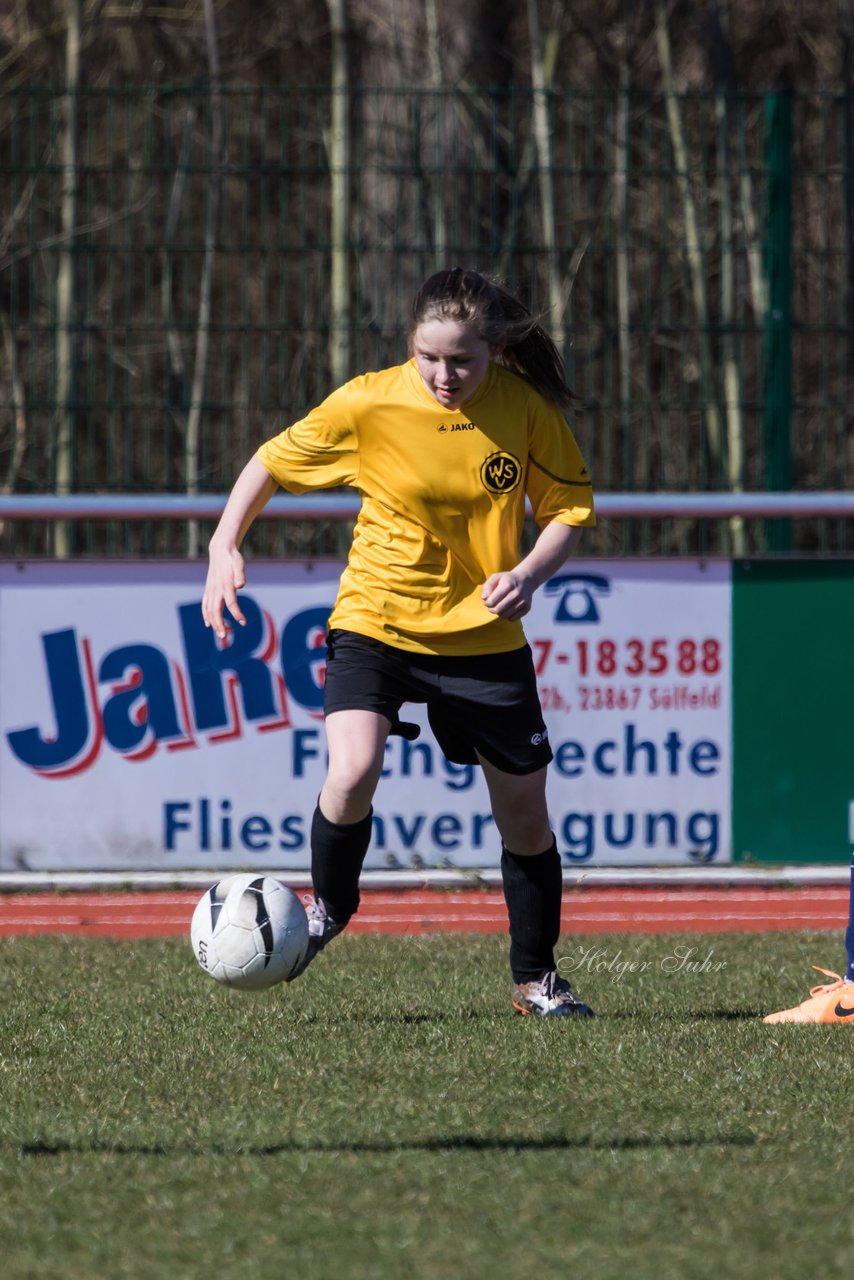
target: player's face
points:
(452, 360)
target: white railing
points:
(344, 506)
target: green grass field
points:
(387, 1116)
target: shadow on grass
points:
(688, 1015)
(459, 1142)
(404, 1018)
(501, 1016)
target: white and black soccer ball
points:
(249, 931)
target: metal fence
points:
(184, 270)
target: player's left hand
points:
(508, 594)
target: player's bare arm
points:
(509, 594)
(252, 491)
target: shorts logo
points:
(500, 473)
(537, 738)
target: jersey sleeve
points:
(320, 451)
(557, 483)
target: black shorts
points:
(484, 704)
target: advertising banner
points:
(131, 739)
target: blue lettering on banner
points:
(205, 826)
(208, 661)
(143, 704)
(583, 838)
(176, 820)
(290, 833)
(633, 756)
(72, 742)
(404, 759)
(149, 701)
(209, 826)
(303, 652)
(445, 831)
(305, 748)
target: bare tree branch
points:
(542, 136)
(83, 229)
(173, 341)
(19, 408)
(339, 170)
(66, 293)
(731, 372)
(194, 417)
(692, 231)
(437, 80)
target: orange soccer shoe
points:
(828, 1002)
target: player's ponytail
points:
(520, 342)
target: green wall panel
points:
(793, 710)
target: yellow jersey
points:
(443, 499)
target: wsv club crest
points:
(500, 472)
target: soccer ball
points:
(249, 931)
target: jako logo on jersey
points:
(456, 426)
(501, 472)
(577, 594)
(135, 699)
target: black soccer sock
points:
(337, 853)
(532, 891)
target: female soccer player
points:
(444, 450)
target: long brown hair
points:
(520, 342)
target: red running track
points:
(158, 914)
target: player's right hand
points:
(226, 576)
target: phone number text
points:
(634, 657)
